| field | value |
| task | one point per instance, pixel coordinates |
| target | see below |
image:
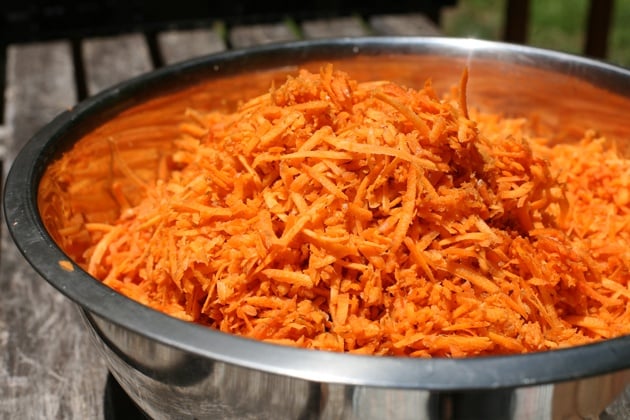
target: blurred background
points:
(595, 28)
(558, 25)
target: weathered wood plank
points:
(47, 364)
(243, 36)
(4, 139)
(404, 25)
(110, 60)
(40, 85)
(179, 45)
(337, 27)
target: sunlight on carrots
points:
(371, 218)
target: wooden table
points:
(48, 367)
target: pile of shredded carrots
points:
(378, 219)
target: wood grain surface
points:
(180, 45)
(110, 60)
(48, 369)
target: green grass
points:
(475, 18)
(557, 25)
(619, 42)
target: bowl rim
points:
(441, 374)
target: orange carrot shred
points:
(367, 217)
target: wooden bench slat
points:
(40, 85)
(47, 363)
(4, 141)
(242, 36)
(338, 27)
(110, 60)
(404, 25)
(179, 45)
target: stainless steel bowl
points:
(174, 369)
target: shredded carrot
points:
(66, 265)
(376, 219)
